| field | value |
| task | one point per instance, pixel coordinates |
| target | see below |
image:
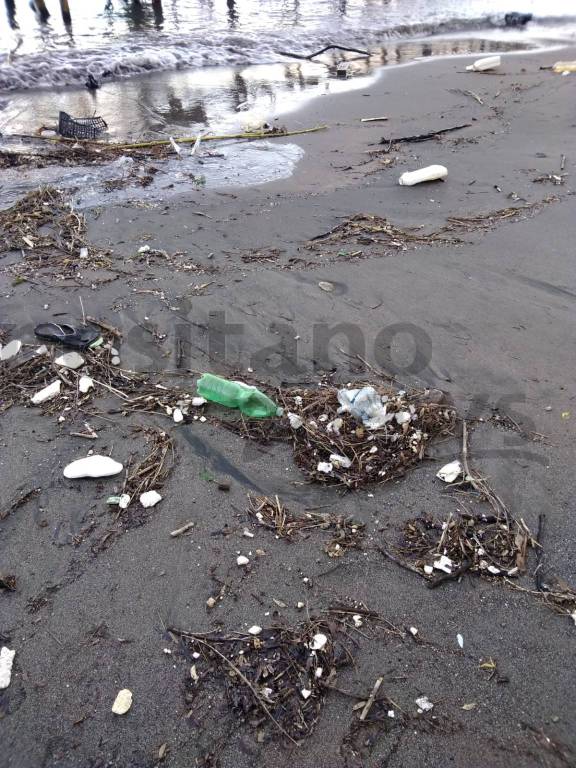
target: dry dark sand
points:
(494, 324)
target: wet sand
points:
(491, 320)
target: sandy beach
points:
(482, 311)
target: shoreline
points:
(283, 82)
(394, 82)
(245, 165)
(483, 314)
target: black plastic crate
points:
(80, 127)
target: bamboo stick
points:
(192, 139)
(184, 139)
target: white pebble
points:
(122, 702)
(150, 499)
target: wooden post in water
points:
(65, 8)
(11, 11)
(40, 7)
(158, 12)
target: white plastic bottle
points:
(430, 173)
(483, 65)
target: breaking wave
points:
(137, 55)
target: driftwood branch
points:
(371, 699)
(472, 94)
(323, 50)
(539, 552)
(479, 484)
(424, 136)
(20, 501)
(105, 326)
(182, 529)
(398, 561)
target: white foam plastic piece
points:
(48, 393)
(92, 466)
(150, 499)
(6, 661)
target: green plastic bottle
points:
(234, 394)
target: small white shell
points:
(450, 472)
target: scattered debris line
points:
(424, 136)
(273, 515)
(311, 56)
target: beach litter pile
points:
(493, 545)
(21, 225)
(71, 149)
(489, 546)
(346, 533)
(146, 477)
(50, 234)
(442, 550)
(355, 436)
(275, 679)
(371, 230)
(42, 376)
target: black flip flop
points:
(76, 338)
